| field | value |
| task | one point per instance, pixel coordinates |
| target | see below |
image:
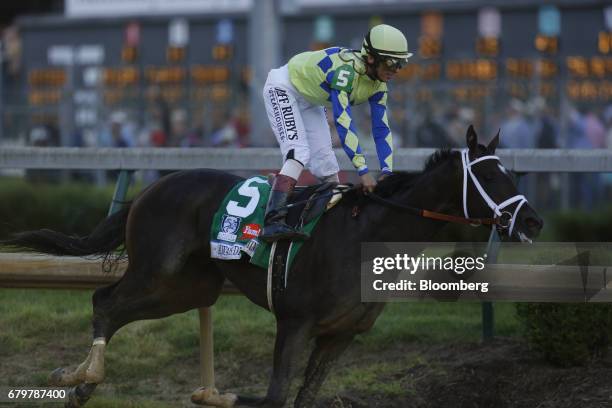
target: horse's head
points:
(489, 190)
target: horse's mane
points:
(401, 180)
(438, 157)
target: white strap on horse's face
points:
(498, 209)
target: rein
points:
(416, 211)
(436, 215)
(502, 218)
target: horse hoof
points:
(73, 400)
(211, 397)
(79, 395)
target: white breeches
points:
(299, 125)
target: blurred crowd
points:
(522, 124)
(528, 125)
(173, 128)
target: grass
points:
(157, 362)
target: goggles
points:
(394, 63)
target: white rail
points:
(522, 160)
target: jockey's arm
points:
(341, 109)
(383, 137)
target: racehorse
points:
(166, 232)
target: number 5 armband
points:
(342, 79)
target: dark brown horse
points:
(166, 231)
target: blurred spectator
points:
(576, 130)
(180, 133)
(516, 131)
(178, 128)
(607, 120)
(607, 116)
(459, 119)
(430, 133)
(196, 130)
(161, 111)
(595, 131)
(547, 137)
(224, 133)
(44, 136)
(585, 188)
(118, 132)
(241, 121)
(546, 129)
(193, 138)
(153, 133)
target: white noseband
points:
(498, 209)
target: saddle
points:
(307, 203)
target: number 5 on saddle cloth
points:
(239, 219)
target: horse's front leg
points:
(327, 350)
(291, 339)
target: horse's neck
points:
(439, 191)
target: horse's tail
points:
(107, 236)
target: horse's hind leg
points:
(196, 284)
(327, 349)
(92, 369)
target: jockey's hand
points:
(383, 176)
(367, 183)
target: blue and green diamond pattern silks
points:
(335, 77)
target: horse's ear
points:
(471, 138)
(493, 143)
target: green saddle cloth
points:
(239, 221)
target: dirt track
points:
(500, 374)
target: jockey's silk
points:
(300, 127)
(239, 221)
(335, 77)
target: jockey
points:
(296, 95)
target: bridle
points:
(506, 218)
(502, 219)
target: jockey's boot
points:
(275, 226)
